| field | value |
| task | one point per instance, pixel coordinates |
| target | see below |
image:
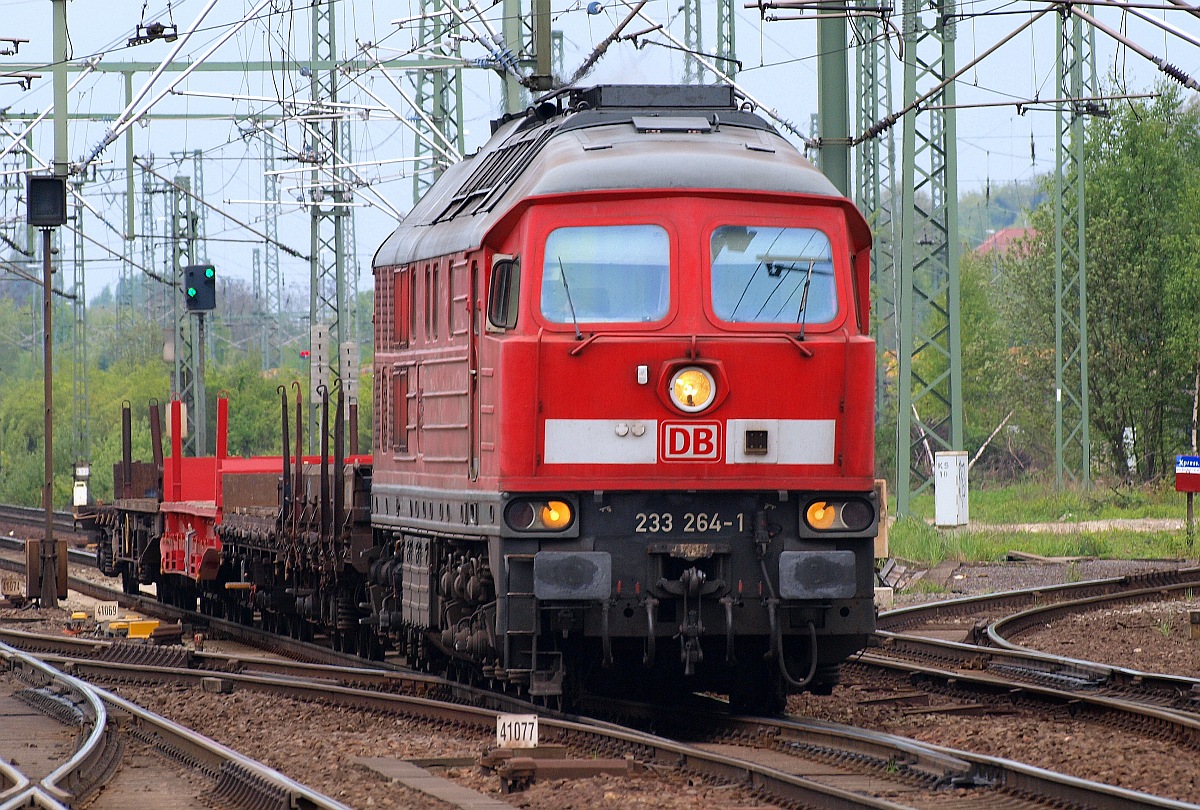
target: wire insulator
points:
(1178, 75)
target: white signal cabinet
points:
(950, 488)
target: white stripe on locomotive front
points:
(600, 441)
(613, 441)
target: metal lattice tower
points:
(726, 39)
(693, 40)
(877, 190)
(127, 299)
(439, 95)
(81, 445)
(271, 321)
(348, 347)
(184, 234)
(1076, 75)
(930, 412)
(161, 301)
(558, 52)
(260, 309)
(17, 236)
(201, 211)
(328, 199)
(526, 27)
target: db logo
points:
(689, 441)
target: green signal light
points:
(209, 272)
(191, 291)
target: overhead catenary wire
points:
(127, 118)
(339, 163)
(889, 121)
(18, 138)
(447, 148)
(725, 77)
(1136, 10)
(1171, 70)
(284, 247)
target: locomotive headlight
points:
(556, 515)
(821, 515)
(848, 515)
(692, 389)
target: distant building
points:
(1002, 240)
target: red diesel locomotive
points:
(624, 399)
(624, 422)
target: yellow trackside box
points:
(142, 628)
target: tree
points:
(1142, 199)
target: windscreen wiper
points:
(802, 314)
(562, 272)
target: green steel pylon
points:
(1076, 75)
(878, 193)
(930, 412)
(693, 40)
(81, 446)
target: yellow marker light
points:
(693, 389)
(556, 515)
(821, 515)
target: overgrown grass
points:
(995, 509)
(916, 540)
(1042, 502)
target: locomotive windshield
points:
(606, 274)
(772, 275)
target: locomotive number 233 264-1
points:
(688, 522)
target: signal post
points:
(46, 208)
(200, 297)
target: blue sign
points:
(1187, 465)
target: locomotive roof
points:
(602, 138)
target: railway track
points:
(791, 761)
(107, 733)
(34, 518)
(986, 657)
(782, 759)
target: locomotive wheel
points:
(369, 646)
(757, 688)
(827, 677)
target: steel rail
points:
(235, 772)
(77, 778)
(975, 769)
(933, 764)
(1178, 725)
(930, 763)
(650, 748)
(1175, 692)
(974, 605)
(1018, 623)
(82, 773)
(35, 517)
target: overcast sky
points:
(996, 144)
